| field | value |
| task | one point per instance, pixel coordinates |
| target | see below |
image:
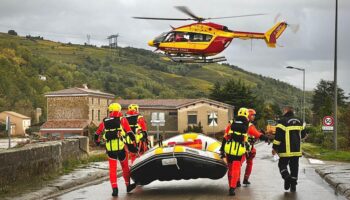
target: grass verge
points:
(319, 152)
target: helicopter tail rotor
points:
(293, 27)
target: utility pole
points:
(113, 41)
(335, 78)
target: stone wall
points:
(67, 108)
(39, 159)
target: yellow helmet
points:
(114, 107)
(244, 112)
(133, 107)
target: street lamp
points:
(303, 70)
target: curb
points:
(338, 178)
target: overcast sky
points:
(312, 47)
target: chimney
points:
(85, 86)
(38, 114)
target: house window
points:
(92, 101)
(98, 115)
(192, 118)
(92, 114)
(172, 113)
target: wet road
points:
(266, 184)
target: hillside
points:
(125, 72)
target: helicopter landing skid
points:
(192, 59)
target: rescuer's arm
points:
(98, 132)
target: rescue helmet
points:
(251, 112)
(134, 107)
(114, 107)
(243, 112)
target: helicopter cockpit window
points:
(160, 38)
(170, 37)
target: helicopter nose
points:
(151, 43)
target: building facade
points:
(19, 122)
(70, 111)
(181, 113)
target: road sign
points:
(158, 119)
(213, 117)
(327, 123)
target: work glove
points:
(97, 142)
(131, 136)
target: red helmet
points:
(251, 113)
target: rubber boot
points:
(231, 192)
(130, 187)
(239, 183)
(246, 182)
(287, 183)
(115, 192)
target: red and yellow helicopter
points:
(200, 41)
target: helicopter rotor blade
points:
(236, 16)
(161, 18)
(188, 12)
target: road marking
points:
(315, 161)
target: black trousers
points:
(293, 163)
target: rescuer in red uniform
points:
(253, 135)
(138, 125)
(234, 146)
(116, 129)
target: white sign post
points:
(8, 129)
(158, 119)
(213, 117)
(327, 123)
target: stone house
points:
(180, 113)
(19, 122)
(70, 111)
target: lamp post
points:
(303, 70)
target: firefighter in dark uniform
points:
(234, 146)
(138, 125)
(287, 144)
(116, 128)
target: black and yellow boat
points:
(186, 156)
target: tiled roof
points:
(168, 103)
(79, 91)
(60, 124)
(16, 114)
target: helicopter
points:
(201, 41)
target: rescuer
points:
(138, 125)
(287, 144)
(116, 128)
(234, 146)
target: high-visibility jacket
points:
(137, 124)
(117, 126)
(236, 137)
(289, 132)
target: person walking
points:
(287, 144)
(234, 147)
(116, 128)
(138, 125)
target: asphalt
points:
(266, 184)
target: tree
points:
(322, 100)
(12, 32)
(234, 93)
